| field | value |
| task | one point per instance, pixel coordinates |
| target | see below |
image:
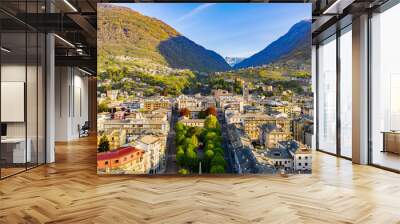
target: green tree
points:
(218, 160)
(194, 140)
(218, 150)
(217, 169)
(194, 131)
(211, 122)
(209, 154)
(191, 159)
(179, 138)
(179, 127)
(104, 144)
(183, 171)
(209, 146)
(180, 156)
(103, 107)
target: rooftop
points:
(118, 153)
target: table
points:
(391, 141)
(15, 148)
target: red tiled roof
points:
(118, 153)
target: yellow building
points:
(155, 104)
(252, 123)
(271, 135)
(116, 138)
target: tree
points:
(218, 159)
(183, 171)
(180, 137)
(179, 127)
(194, 131)
(102, 107)
(217, 169)
(104, 144)
(209, 146)
(211, 122)
(210, 135)
(184, 112)
(218, 150)
(194, 140)
(180, 156)
(209, 154)
(211, 111)
(191, 159)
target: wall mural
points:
(212, 88)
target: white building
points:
(152, 145)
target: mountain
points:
(294, 46)
(127, 34)
(233, 60)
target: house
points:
(151, 145)
(272, 134)
(127, 160)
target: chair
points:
(84, 130)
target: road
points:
(225, 144)
(172, 167)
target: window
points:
(326, 99)
(299, 157)
(306, 157)
(106, 163)
(117, 161)
(306, 164)
(385, 88)
(346, 92)
(299, 164)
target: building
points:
(280, 158)
(137, 126)
(232, 116)
(290, 156)
(116, 137)
(124, 160)
(184, 101)
(253, 122)
(152, 146)
(302, 155)
(271, 135)
(303, 130)
(155, 104)
(193, 122)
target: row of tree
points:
(200, 148)
(185, 112)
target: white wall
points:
(71, 102)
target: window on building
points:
(117, 161)
(106, 163)
(299, 164)
(306, 164)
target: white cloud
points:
(195, 11)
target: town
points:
(219, 132)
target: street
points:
(172, 167)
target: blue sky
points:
(230, 29)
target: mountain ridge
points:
(123, 31)
(298, 38)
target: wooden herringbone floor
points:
(69, 191)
